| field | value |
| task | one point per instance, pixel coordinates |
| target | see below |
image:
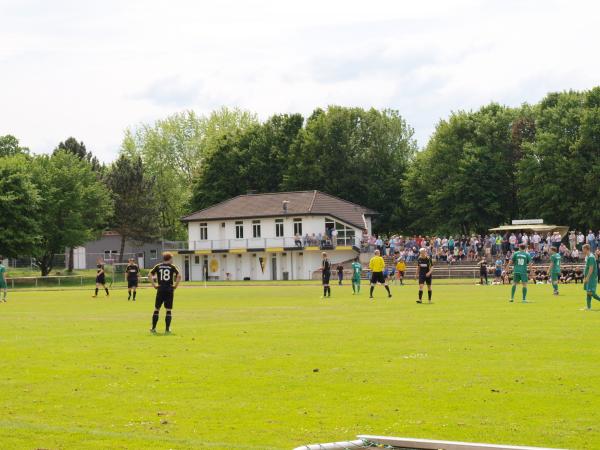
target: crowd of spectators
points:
(472, 248)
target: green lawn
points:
(240, 371)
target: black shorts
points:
(423, 279)
(483, 273)
(132, 283)
(325, 277)
(164, 298)
(100, 279)
(377, 277)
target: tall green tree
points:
(560, 169)
(136, 212)
(254, 159)
(20, 207)
(463, 181)
(76, 205)
(9, 146)
(173, 151)
(359, 155)
(77, 148)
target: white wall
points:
(299, 264)
(310, 225)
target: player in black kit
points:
(100, 279)
(325, 275)
(168, 278)
(483, 271)
(132, 271)
(424, 271)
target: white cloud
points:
(92, 69)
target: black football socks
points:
(154, 319)
(168, 318)
(429, 295)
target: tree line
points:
(479, 169)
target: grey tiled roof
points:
(271, 205)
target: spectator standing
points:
(580, 240)
(512, 240)
(535, 240)
(556, 239)
(379, 244)
(591, 240)
(572, 240)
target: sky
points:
(92, 69)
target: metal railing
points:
(57, 281)
(259, 243)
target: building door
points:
(299, 272)
(140, 260)
(79, 258)
(186, 268)
(238, 267)
(274, 267)
(205, 269)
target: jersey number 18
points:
(164, 274)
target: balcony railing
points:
(259, 243)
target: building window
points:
(111, 254)
(203, 231)
(298, 227)
(153, 254)
(256, 228)
(196, 259)
(278, 227)
(239, 230)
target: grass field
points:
(240, 370)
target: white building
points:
(270, 236)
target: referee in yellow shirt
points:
(400, 270)
(376, 265)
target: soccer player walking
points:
(423, 274)
(590, 278)
(168, 277)
(376, 265)
(554, 269)
(356, 272)
(3, 284)
(133, 271)
(325, 275)
(100, 279)
(483, 271)
(340, 272)
(520, 260)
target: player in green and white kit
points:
(356, 272)
(520, 260)
(3, 285)
(590, 277)
(554, 269)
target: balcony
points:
(258, 244)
